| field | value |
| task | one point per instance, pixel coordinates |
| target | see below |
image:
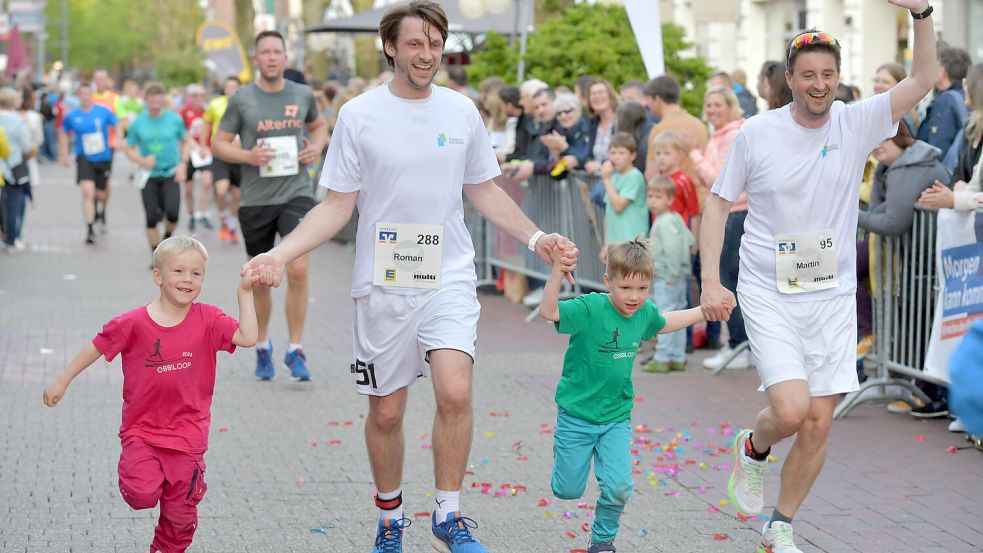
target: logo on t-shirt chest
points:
(288, 121)
(444, 140)
(162, 364)
(829, 148)
(618, 349)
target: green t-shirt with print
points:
(596, 382)
(634, 218)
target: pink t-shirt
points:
(168, 373)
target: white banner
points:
(646, 23)
(960, 299)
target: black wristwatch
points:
(928, 11)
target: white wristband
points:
(535, 238)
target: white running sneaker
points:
(776, 537)
(957, 425)
(533, 298)
(745, 487)
(740, 361)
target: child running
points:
(595, 394)
(168, 350)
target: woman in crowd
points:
(602, 104)
(569, 143)
(958, 196)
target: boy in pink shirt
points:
(168, 350)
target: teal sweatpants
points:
(576, 443)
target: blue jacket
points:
(945, 117)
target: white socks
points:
(447, 502)
(394, 513)
(293, 347)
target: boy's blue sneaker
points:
(297, 363)
(454, 535)
(264, 364)
(389, 536)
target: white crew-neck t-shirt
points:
(409, 160)
(802, 181)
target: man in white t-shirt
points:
(403, 153)
(801, 169)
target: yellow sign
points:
(223, 51)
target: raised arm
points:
(924, 63)
(55, 390)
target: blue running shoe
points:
(264, 364)
(389, 536)
(454, 535)
(297, 363)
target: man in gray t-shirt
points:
(256, 115)
(270, 117)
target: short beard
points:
(405, 70)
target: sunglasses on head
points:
(806, 39)
(565, 111)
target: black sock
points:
(753, 453)
(167, 235)
(90, 227)
(778, 517)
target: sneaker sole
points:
(296, 378)
(439, 545)
(738, 444)
(266, 378)
(936, 415)
(763, 549)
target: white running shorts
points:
(392, 334)
(815, 341)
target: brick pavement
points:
(287, 458)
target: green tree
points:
(591, 39)
(124, 36)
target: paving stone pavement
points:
(287, 469)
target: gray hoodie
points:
(897, 187)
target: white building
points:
(743, 34)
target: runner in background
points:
(200, 160)
(227, 175)
(103, 95)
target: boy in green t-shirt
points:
(626, 216)
(595, 394)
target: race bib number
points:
(93, 143)
(806, 262)
(285, 163)
(408, 255)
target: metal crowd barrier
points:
(556, 205)
(904, 286)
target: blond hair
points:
(662, 184)
(177, 245)
(736, 112)
(630, 258)
(667, 139)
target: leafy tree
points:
(127, 36)
(591, 39)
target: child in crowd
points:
(671, 243)
(595, 394)
(668, 154)
(168, 349)
(626, 216)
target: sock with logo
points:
(753, 453)
(293, 347)
(390, 504)
(778, 517)
(447, 502)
